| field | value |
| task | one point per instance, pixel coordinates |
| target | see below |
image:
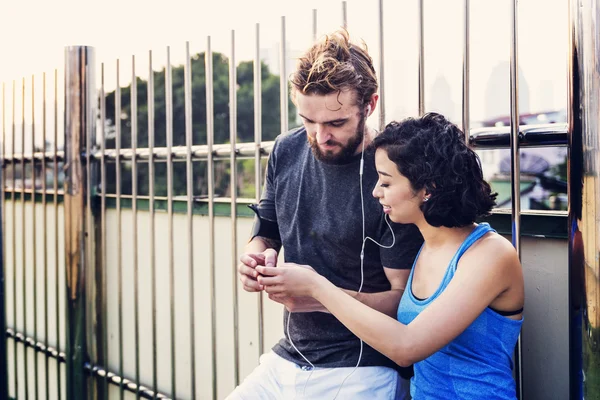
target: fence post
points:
(80, 118)
(3, 353)
(583, 116)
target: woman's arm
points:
(474, 287)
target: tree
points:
(245, 123)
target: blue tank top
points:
(477, 364)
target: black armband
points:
(263, 227)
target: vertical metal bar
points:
(90, 237)
(3, 309)
(233, 186)
(103, 226)
(44, 230)
(345, 14)
(283, 80)
(14, 240)
(314, 25)
(466, 70)
(119, 229)
(67, 225)
(190, 208)
(152, 215)
(421, 37)
(210, 135)
(24, 240)
(88, 240)
(33, 233)
(134, 193)
(169, 122)
(56, 267)
(381, 71)
(79, 119)
(515, 167)
(258, 167)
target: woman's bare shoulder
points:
(495, 250)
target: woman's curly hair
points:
(335, 64)
(431, 153)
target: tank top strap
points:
(474, 236)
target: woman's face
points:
(395, 192)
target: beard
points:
(347, 152)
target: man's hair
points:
(335, 64)
(431, 153)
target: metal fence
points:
(65, 340)
(35, 272)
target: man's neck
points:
(370, 134)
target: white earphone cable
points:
(362, 276)
(362, 254)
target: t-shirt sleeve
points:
(408, 242)
(266, 205)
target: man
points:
(313, 207)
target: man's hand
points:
(247, 268)
(298, 304)
(289, 279)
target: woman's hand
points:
(289, 279)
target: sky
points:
(34, 33)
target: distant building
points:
(440, 99)
(270, 56)
(546, 95)
(497, 92)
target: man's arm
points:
(385, 302)
(407, 241)
(258, 244)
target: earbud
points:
(368, 110)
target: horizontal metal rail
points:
(540, 213)
(128, 385)
(37, 346)
(547, 135)
(243, 200)
(179, 153)
(29, 191)
(113, 378)
(38, 156)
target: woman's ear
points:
(422, 195)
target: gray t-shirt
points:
(318, 209)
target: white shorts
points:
(278, 379)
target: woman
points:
(461, 313)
